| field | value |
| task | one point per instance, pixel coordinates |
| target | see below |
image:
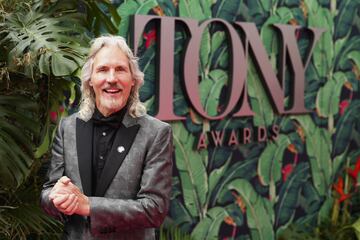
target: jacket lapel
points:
(84, 143)
(123, 141)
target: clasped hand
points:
(68, 198)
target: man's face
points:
(111, 80)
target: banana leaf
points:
(208, 228)
(259, 212)
(289, 196)
(192, 171)
(132, 7)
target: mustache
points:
(112, 86)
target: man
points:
(110, 172)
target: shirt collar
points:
(114, 120)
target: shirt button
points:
(101, 157)
(104, 134)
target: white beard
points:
(110, 103)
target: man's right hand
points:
(66, 203)
(68, 198)
(63, 198)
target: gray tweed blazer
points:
(132, 195)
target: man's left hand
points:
(68, 198)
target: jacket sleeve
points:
(152, 201)
(55, 171)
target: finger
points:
(68, 201)
(73, 188)
(58, 191)
(64, 180)
(70, 210)
(54, 195)
(51, 196)
(58, 200)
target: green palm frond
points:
(173, 233)
(17, 128)
(23, 220)
(21, 215)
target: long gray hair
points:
(87, 104)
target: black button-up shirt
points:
(104, 133)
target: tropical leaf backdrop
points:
(304, 185)
(263, 190)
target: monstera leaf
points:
(16, 127)
(54, 45)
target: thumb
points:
(65, 180)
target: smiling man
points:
(110, 171)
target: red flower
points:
(353, 173)
(230, 221)
(150, 37)
(286, 171)
(339, 188)
(343, 105)
(53, 116)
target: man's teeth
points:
(112, 90)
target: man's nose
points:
(111, 76)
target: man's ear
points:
(90, 83)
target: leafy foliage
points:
(261, 188)
(21, 216)
(256, 190)
(17, 129)
(43, 46)
(53, 44)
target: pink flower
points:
(150, 37)
(343, 105)
(286, 171)
(53, 116)
(339, 188)
(354, 173)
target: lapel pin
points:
(120, 149)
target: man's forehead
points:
(110, 55)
